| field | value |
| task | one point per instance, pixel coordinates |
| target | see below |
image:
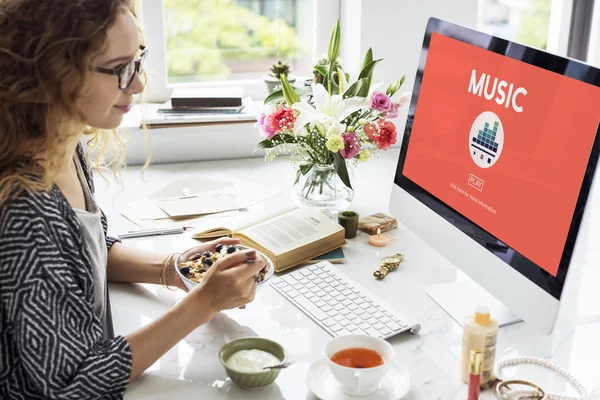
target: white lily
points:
(329, 111)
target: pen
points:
(151, 232)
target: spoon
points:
(280, 366)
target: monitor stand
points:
(460, 298)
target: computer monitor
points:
(496, 166)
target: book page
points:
(253, 214)
(292, 230)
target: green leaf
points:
(367, 71)
(342, 171)
(288, 91)
(334, 43)
(368, 58)
(265, 144)
(303, 170)
(278, 94)
(359, 88)
(322, 69)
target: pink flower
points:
(351, 145)
(393, 112)
(265, 126)
(383, 133)
(283, 119)
(380, 102)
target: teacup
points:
(362, 381)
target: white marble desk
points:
(192, 370)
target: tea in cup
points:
(359, 362)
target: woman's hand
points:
(230, 282)
(172, 277)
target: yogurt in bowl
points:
(246, 366)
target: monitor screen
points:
(501, 141)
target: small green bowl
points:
(252, 380)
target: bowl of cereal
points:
(245, 360)
(191, 266)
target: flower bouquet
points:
(324, 126)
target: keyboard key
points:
(379, 326)
(303, 290)
(332, 312)
(311, 308)
(306, 272)
(339, 307)
(320, 294)
(338, 286)
(371, 310)
(352, 328)
(353, 307)
(364, 305)
(311, 296)
(357, 321)
(320, 303)
(339, 297)
(384, 320)
(328, 322)
(393, 326)
(304, 281)
(364, 326)
(293, 293)
(343, 332)
(346, 312)
(336, 328)
(328, 279)
(326, 307)
(359, 311)
(290, 280)
(345, 302)
(372, 321)
(344, 322)
(352, 296)
(326, 298)
(338, 317)
(329, 290)
(314, 268)
(298, 286)
(376, 314)
(372, 332)
(347, 293)
(385, 331)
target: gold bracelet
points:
(162, 276)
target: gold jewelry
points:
(162, 276)
(504, 391)
(388, 263)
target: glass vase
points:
(323, 189)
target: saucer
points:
(319, 380)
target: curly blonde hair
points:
(45, 52)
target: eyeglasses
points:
(127, 72)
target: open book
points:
(286, 234)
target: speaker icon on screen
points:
(486, 139)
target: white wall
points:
(393, 28)
(594, 49)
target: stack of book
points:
(192, 101)
(201, 105)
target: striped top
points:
(51, 341)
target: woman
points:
(67, 66)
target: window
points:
(232, 42)
(523, 21)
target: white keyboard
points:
(340, 305)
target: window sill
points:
(226, 139)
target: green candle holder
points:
(349, 220)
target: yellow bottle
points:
(480, 333)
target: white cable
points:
(581, 390)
